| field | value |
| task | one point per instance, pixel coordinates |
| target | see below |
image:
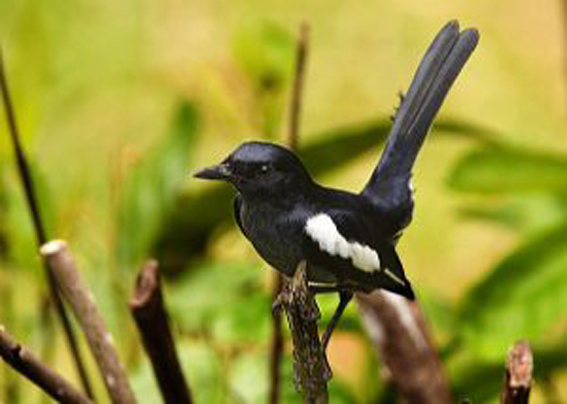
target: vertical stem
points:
(277, 343)
(297, 94)
(27, 182)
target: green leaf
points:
(507, 170)
(225, 301)
(526, 213)
(520, 299)
(152, 187)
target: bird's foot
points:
(276, 307)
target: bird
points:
(347, 240)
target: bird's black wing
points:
(342, 243)
(389, 187)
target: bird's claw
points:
(276, 307)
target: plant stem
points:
(41, 237)
(277, 343)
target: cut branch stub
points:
(81, 300)
(518, 374)
(148, 309)
(311, 370)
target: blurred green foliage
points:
(122, 128)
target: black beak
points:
(218, 172)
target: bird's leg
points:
(344, 298)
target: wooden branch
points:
(277, 345)
(397, 329)
(40, 233)
(518, 374)
(23, 361)
(311, 369)
(82, 302)
(147, 307)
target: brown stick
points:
(311, 369)
(28, 365)
(397, 328)
(147, 307)
(40, 233)
(518, 374)
(79, 296)
(277, 345)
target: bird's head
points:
(258, 168)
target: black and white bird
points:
(346, 239)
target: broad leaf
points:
(521, 298)
(526, 213)
(225, 301)
(152, 187)
(507, 170)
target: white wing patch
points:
(321, 229)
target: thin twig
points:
(397, 329)
(41, 237)
(518, 374)
(84, 307)
(311, 369)
(297, 93)
(148, 309)
(45, 378)
(277, 344)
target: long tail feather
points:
(446, 56)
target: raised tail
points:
(389, 186)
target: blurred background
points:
(119, 101)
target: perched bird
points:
(347, 240)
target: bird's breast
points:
(275, 234)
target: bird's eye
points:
(264, 168)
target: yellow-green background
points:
(96, 84)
